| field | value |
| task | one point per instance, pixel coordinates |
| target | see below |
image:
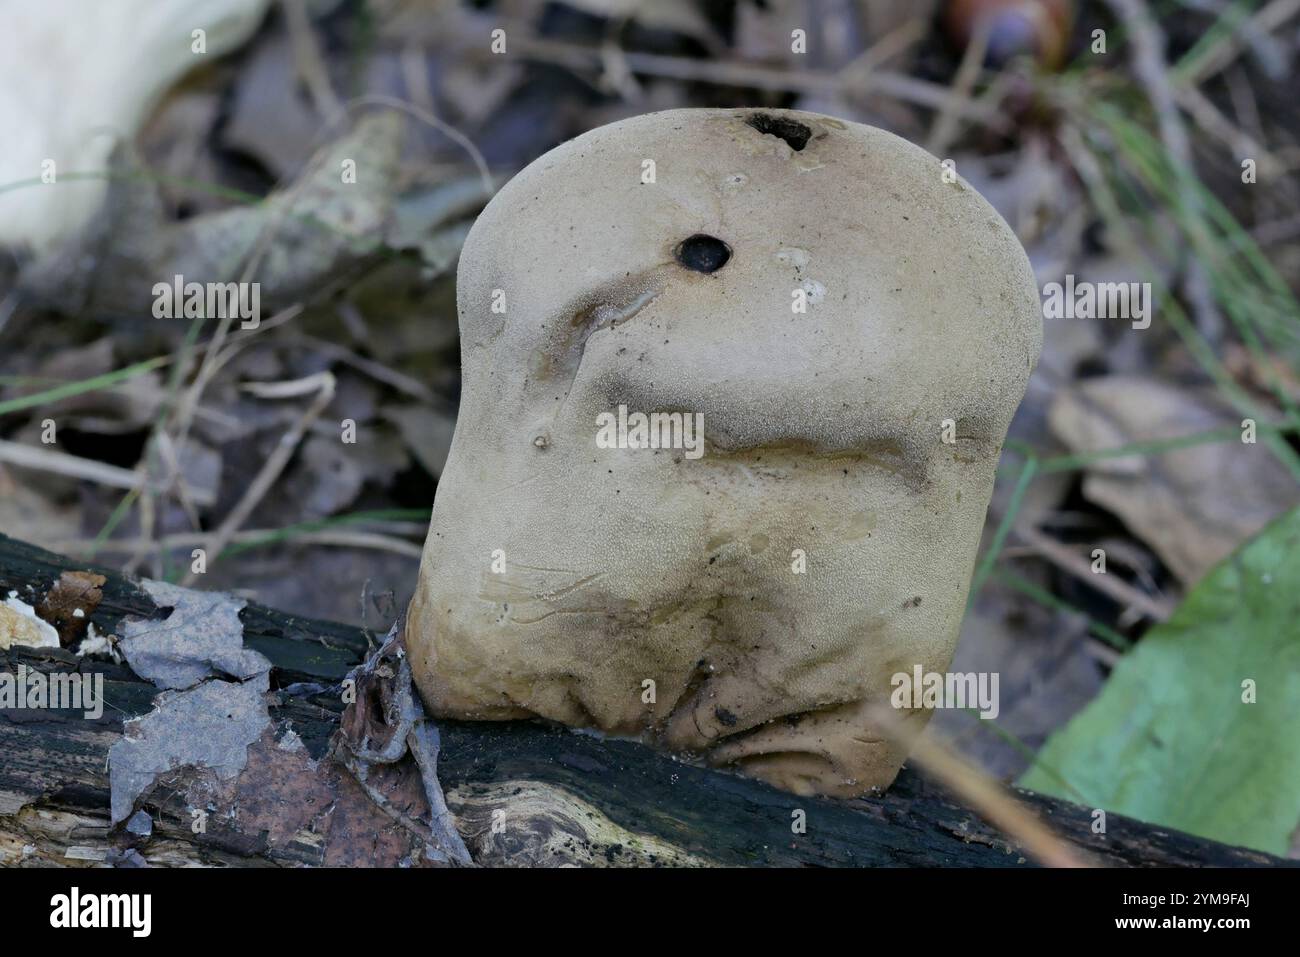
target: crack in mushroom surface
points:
(645, 592)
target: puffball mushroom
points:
(834, 306)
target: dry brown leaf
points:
(29, 515)
(70, 602)
(1193, 505)
(426, 431)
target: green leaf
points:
(1169, 740)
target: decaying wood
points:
(522, 793)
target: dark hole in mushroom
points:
(702, 253)
(793, 132)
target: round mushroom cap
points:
(850, 325)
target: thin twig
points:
(308, 59)
(1209, 118)
(73, 466)
(373, 541)
(415, 75)
(376, 370)
(270, 471)
(1063, 558)
(945, 124)
(1149, 65)
(892, 44)
(431, 120)
(1263, 22)
(982, 793)
(898, 85)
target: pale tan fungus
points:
(824, 437)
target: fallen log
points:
(522, 793)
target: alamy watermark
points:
(61, 691)
(75, 909)
(1098, 300)
(656, 430)
(214, 300)
(950, 689)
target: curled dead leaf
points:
(70, 602)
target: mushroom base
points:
(718, 608)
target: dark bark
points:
(523, 793)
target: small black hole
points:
(792, 131)
(702, 253)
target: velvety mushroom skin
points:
(560, 577)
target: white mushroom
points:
(750, 604)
